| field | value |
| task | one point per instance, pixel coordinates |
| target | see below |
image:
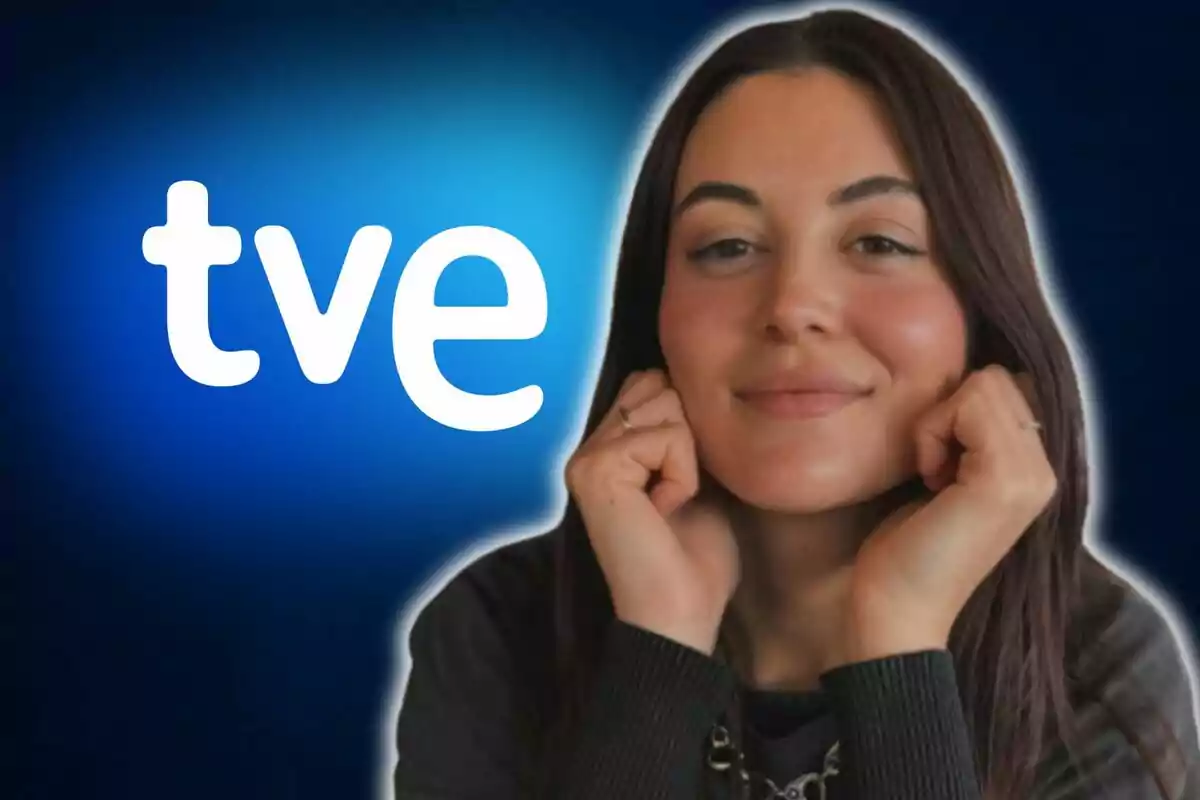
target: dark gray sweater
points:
(482, 658)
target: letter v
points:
(323, 342)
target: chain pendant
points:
(724, 756)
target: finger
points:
(1006, 408)
(1022, 397)
(625, 462)
(935, 443)
(1025, 385)
(667, 450)
(1007, 392)
(998, 453)
(1017, 393)
(637, 389)
(984, 421)
(662, 407)
(670, 496)
(1034, 479)
(647, 384)
(936, 450)
(962, 425)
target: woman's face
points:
(804, 322)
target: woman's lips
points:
(797, 404)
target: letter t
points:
(187, 246)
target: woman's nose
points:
(802, 297)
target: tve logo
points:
(188, 246)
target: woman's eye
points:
(876, 245)
(722, 250)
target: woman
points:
(825, 528)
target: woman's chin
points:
(810, 491)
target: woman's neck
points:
(786, 610)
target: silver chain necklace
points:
(725, 756)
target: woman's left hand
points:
(915, 572)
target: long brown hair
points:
(1011, 642)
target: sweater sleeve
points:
(467, 729)
(643, 732)
(904, 733)
(1135, 717)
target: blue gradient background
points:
(206, 581)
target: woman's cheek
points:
(670, 320)
(918, 332)
(687, 319)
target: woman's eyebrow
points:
(718, 190)
(859, 190)
(872, 186)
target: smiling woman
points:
(825, 535)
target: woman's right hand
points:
(668, 556)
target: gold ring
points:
(1031, 425)
(623, 413)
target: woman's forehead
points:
(787, 132)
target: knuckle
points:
(673, 402)
(995, 376)
(973, 382)
(583, 464)
(575, 469)
(596, 470)
(651, 376)
(639, 382)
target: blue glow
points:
(539, 151)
